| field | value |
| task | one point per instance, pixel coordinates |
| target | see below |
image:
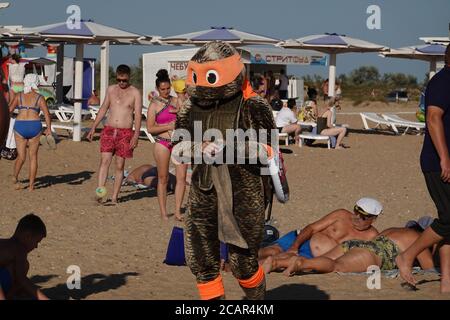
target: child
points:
(13, 259)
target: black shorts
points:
(440, 193)
(153, 172)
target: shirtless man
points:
(14, 263)
(322, 236)
(117, 138)
(359, 255)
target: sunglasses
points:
(362, 214)
(122, 80)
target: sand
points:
(120, 250)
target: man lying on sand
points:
(146, 176)
(13, 259)
(323, 235)
(358, 255)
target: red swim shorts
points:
(116, 141)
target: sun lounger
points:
(406, 123)
(314, 136)
(65, 116)
(93, 110)
(373, 117)
(144, 129)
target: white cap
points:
(370, 206)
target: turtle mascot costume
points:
(226, 202)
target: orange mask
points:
(214, 73)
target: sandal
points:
(48, 142)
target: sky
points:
(402, 23)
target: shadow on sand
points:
(136, 194)
(71, 179)
(91, 284)
(296, 292)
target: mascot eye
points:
(194, 77)
(212, 77)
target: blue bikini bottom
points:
(28, 129)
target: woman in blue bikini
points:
(28, 126)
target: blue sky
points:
(402, 23)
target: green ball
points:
(101, 192)
(420, 116)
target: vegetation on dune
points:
(367, 84)
(360, 85)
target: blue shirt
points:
(438, 95)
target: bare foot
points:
(295, 264)
(18, 186)
(179, 218)
(445, 286)
(267, 265)
(164, 217)
(100, 200)
(30, 188)
(338, 148)
(405, 268)
(14, 180)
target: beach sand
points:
(120, 250)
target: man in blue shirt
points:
(435, 163)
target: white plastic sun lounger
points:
(373, 117)
(313, 136)
(406, 123)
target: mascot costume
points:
(226, 202)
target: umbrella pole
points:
(60, 74)
(104, 70)
(432, 69)
(78, 92)
(332, 75)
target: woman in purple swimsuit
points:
(161, 117)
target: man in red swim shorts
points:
(124, 103)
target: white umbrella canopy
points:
(332, 44)
(429, 52)
(229, 35)
(88, 32)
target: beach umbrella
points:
(439, 40)
(86, 32)
(230, 35)
(429, 52)
(332, 44)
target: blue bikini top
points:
(35, 108)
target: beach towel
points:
(175, 255)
